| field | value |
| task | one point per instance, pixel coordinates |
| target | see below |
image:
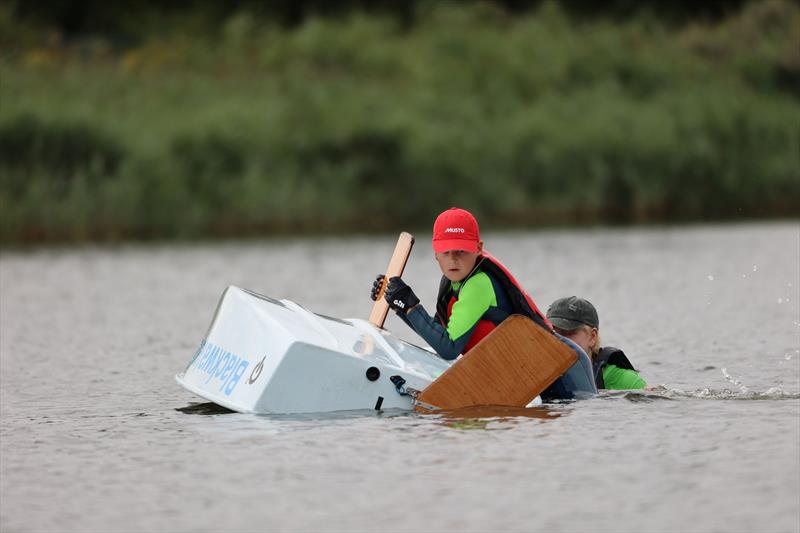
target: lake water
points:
(97, 436)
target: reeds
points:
(360, 124)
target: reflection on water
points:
(207, 408)
(488, 416)
(499, 411)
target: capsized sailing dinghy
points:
(263, 355)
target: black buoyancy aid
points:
(609, 355)
(521, 302)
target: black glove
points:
(400, 296)
(377, 286)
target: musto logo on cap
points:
(454, 230)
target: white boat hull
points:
(262, 355)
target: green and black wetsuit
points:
(613, 370)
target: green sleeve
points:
(474, 299)
(622, 379)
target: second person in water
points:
(577, 320)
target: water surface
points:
(95, 435)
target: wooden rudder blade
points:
(511, 366)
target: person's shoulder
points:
(478, 281)
(612, 370)
(616, 357)
(622, 378)
(478, 288)
(612, 350)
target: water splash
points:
(737, 382)
(660, 392)
(648, 396)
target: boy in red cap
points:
(476, 292)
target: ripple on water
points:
(663, 393)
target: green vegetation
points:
(360, 122)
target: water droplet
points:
(755, 268)
(744, 276)
(735, 381)
(788, 357)
(710, 277)
(780, 300)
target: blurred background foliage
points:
(148, 119)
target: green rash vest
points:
(617, 378)
(475, 297)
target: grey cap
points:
(572, 312)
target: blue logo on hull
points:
(220, 365)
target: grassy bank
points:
(360, 123)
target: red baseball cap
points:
(455, 229)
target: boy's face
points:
(456, 264)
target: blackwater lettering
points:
(220, 365)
